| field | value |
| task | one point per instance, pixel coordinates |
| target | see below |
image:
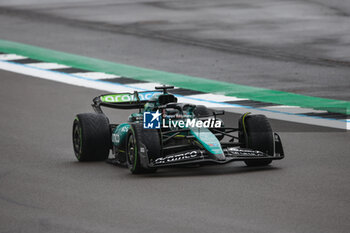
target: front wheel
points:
(256, 134)
(147, 137)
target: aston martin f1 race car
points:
(164, 133)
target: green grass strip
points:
(179, 80)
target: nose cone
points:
(209, 142)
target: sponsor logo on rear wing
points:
(127, 97)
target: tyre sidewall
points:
(148, 138)
(95, 137)
(256, 134)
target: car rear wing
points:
(135, 100)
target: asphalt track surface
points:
(44, 189)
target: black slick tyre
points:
(138, 136)
(91, 137)
(256, 134)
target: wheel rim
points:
(131, 150)
(77, 141)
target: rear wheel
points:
(91, 137)
(256, 134)
(138, 136)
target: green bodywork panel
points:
(208, 141)
(119, 134)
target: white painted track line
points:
(11, 57)
(187, 99)
(48, 65)
(64, 78)
(216, 97)
(285, 116)
(295, 109)
(279, 114)
(146, 86)
(96, 75)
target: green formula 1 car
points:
(165, 133)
